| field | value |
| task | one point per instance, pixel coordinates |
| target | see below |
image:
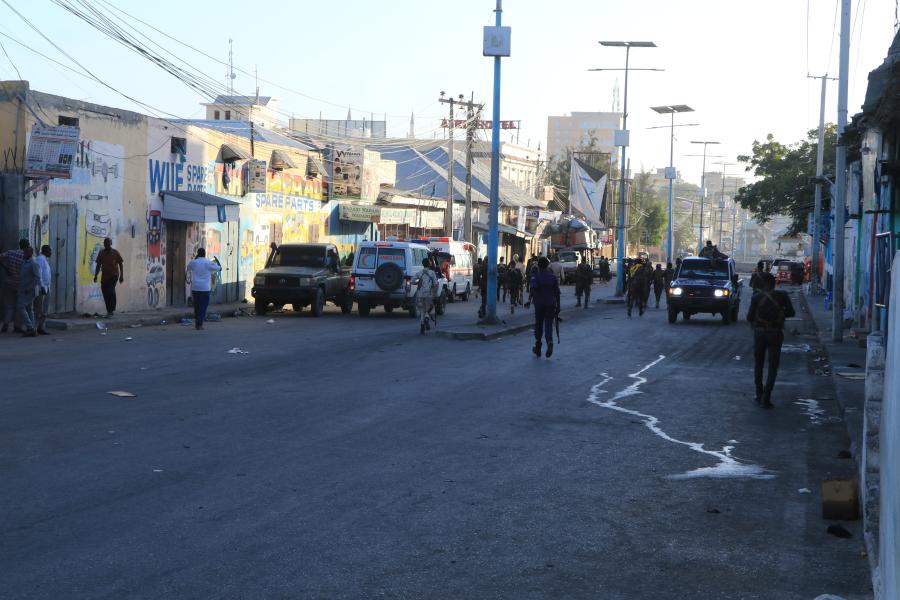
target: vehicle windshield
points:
(568, 257)
(299, 256)
(704, 268)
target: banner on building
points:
(587, 192)
(256, 176)
(357, 212)
(51, 151)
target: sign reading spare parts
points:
(51, 151)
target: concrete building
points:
(520, 165)
(574, 130)
(262, 110)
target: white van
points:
(385, 274)
(458, 256)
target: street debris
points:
(828, 597)
(101, 326)
(163, 322)
(737, 357)
(187, 321)
(714, 511)
(796, 348)
(122, 394)
(157, 470)
(844, 454)
(838, 530)
(213, 317)
(854, 366)
(136, 325)
(237, 351)
(805, 491)
(129, 338)
(270, 321)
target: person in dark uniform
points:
(768, 310)
(482, 288)
(659, 282)
(758, 277)
(668, 275)
(584, 277)
(545, 295)
(514, 283)
(638, 286)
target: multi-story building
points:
(262, 110)
(575, 130)
(520, 165)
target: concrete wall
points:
(889, 542)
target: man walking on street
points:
(11, 262)
(557, 269)
(111, 269)
(668, 275)
(29, 280)
(584, 277)
(514, 283)
(768, 310)
(201, 270)
(638, 286)
(425, 293)
(42, 301)
(757, 279)
(546, 297)
(659, 282)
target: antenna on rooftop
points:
(230, 76)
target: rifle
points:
(556, 320)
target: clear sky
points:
(741, 65)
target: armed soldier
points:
(768, 310)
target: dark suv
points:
(705, 285)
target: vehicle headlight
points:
(259, 280)
(305, 280)
(676, 291)
(720, 293)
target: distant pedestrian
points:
(111, 269)
(425, 293)
(520, 265)
(605, 274)
(659, 282)
(29, 281)
(556, 267)
(546, 297)
(42, 301)
(757, 279)
(638, 286)
(514, 283)
(501, 279)
(768, 310)
(482, 288)
(668, 275)
(711, 251)
(11, 262)
(201, 270)
(584, 277)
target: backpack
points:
(769, 311)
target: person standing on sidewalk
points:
(111, 269)
(425, 292)
(29, 281)
(502, 273)
(201, 271)
(584, 277)
(42, 301)
(546, 297)
(768, 310)
(11, 262)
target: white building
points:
(262, 110)
(520, 165)
(574, 130)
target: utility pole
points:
(448, 214)
(622, 139)
(702, 192)
(471, 125)
(840, 204)
(670, 170)
(725, 165)
(815, 276)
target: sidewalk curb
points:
(125, 322)
(508, 330)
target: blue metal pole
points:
(620, 267)
(670, 245)
(493, 221)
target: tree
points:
(784, 171)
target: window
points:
(392, 255)
(227, 115)
(216, 115)
(67, 121)
(178, 145)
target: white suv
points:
(386, 273)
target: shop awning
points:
(229, 153)
(282, 160)
(501, 228)
(198, 207)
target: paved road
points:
(352, 458)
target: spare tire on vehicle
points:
(389, 277)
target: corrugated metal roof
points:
(242, 129)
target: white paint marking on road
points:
(727, 467)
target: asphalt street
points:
(345, 457)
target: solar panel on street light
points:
(677, 108)
(629, 44)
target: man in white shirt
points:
(201, 270)
(42, 300)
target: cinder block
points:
(840, 499)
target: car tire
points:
(735, 312)
(261, 307)
(389, 277)
(440, 303)
(413, 312)
(297, 307)
(452, 297)
(686, 316)
(673, 315)
(318, 305)
(363, 307)
(346, 304)
(726, 317)
(467, 293)
(388, 308)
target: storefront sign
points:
(51, 151)
(360, 212)
(256, 176)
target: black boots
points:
(537, 348)
(549, 349)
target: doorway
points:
(64, 261)
(176, 262)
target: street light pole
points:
(670, 172)
(702, 191)
(622, 141)
(840, 203)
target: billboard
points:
(51, 151)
